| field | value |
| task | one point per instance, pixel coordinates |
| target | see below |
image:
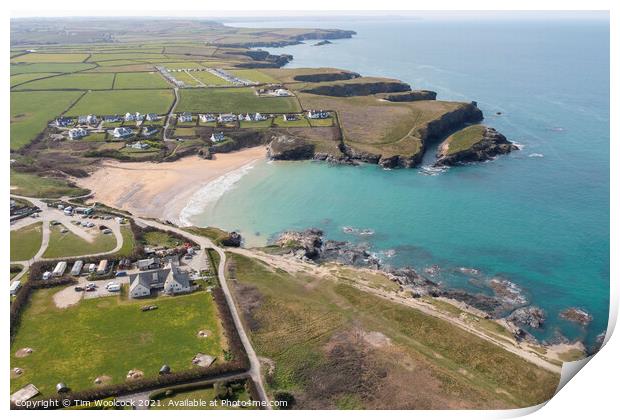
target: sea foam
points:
(210, 193)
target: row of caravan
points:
(76, 269)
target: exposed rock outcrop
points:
(580, 316)
(491, 144)
(324, 42)
(358, 89)
(411, 96)
(262, 59)
(326, 77)
(435, 129)
(530, 316)
(233, 239)
(285, 147)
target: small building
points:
(112, 118)
(165, 369)
(15, 287)
(282, 92)
(217, 137)
(47, 275)
(140, 145)
(77, 268)
(122, 132)
(290, 117)
(148, 264)
(225, 118)
(61, 387)
(152, 117)
(77, 133)
(185, 117)
(60, 268)
(149, 131)
(62, 122)
(316, 115)
(177, 281)
(84, 210)
(89, 119)
(68, 211)
(260, 117)
(92, 267)
(171, 279)
(207, 118)
(103, 267)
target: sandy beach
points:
(161, 190)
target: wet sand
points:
(161, 190)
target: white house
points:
(290, 117)
(122, 132)
(87, 119)
(317, 115)
(227, 118)
(259, 117)
(149, 131)
(15, 287)
(152, 117)
(282, 92)
(177, 281)
(130, 117)
(77, 133)
(185, 117)
(215, 137)
(206, 118)
(171, 279)
(140, 145)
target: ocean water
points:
(539, 217)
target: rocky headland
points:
(473, 144)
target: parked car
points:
(121, 273)
(78, 288)
(90, 288)
(91, 285)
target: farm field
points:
(17, 79)
(143, 80)
(25, 242)
(32, 185)
(77, 81)
(50, 67)
(160, 239)
(69, 244)
(110, 336)
(50, 58)
(254, 75)
(235, 100)
(31, 112)
(122, 101)
(335, 346)
(210, 79)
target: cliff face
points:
(442, 126)
(326, 77)
(358, 89)
(262, 59)
(414, 95)
(284, 147)
(490, 145)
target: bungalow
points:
(62, 122)
(290, 117)
(282, 92)
(152, 117)
(207, 118)
(77, 133)
(112, 118)
(317, 115)
(148, 264)
(133, 117)
(185, 117)
(140, 145)
(87, 119)
(149, 131)
(224, 118)
(122, 132)
(260, 117)
(216, 137)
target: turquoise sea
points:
(539, 217)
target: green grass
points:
(465, 138)
(31, 112)
(69, 244)
(122, 101)
(185, 131)
(49, 58)
(207, 394)
(17, 79)
(235, 100)
(25, 242)
(15, 269)
(210, 79)
(110, 336)
(129, 242)
(326, 122)
(160, 239)
(298, 316)
(49, 68)
(32, 185)
(256, 124)
(213, 233)
(79, 81)
(140, 81)
(254, 75)
(301, 122)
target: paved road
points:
(169, 116)
(207, 243)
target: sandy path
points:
(161, 190)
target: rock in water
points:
(473, 144)
(577, 315)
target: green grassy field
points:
(235, 100)
(122, 101)
(32, 185)
(110, 336)
(207, 394)
(129, 242)
(49, 58)
(17, 79)
(315, 331)
(78, 81)
(465, 138)
(31, 112)
(49, 67)
(210, 79)
(159, 239)
(301, 122)
(25, 242)
(69, 244)
(254, 75)
(140, 81)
